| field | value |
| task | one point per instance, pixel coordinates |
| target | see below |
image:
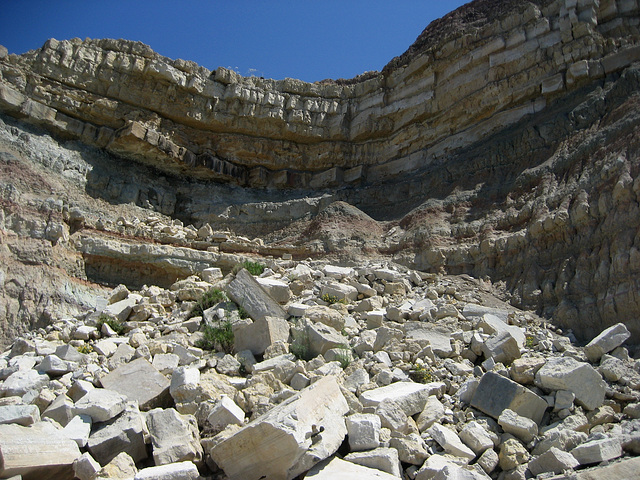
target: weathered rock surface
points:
(404, 218)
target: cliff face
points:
(502, 144)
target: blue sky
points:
(306, 39)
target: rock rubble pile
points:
(313, 370)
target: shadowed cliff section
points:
(502, 144)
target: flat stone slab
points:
(290, 438)
(173, 471)
(567, 373)
(338, 469)
(410, 397)
(439, 337)
(24, 415)
(140, 381)
(38, 452)
(247, 292)
(496, 393)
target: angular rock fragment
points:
(140, 381)
(101, 404)
(24, 415)
(290, 438)
(247, 292)
(225, 412)
(337, 469)
(258, 335)
(410, 396)
(37, 452)
(173, 471)
(20, 382)
(523, 428)
(553, 460)
(383, 458)
(566, 373)
(363, 431)
(598, 450)
(450, 442)
(124, 433)
(175, 437)
(608, 340)
(496, 393)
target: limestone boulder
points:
(337, 469)
(496, 393)
(140, 381)
(247, 292)
(290, 438)
(175, 437)
(39, 451)
(567, 373)
(125, 433)
(411, 397)
(258, 335)
(608, 340)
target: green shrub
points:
(210, 298)
(217, 337)
(254, 268)
(85, 349)
(420, 374)
(331, 299)
(115, 324)
(301, 347)
(344, 356)
(242, 312)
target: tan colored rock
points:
(290, 438)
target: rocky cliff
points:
(502, 144)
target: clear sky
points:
(306, 39)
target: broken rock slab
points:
(37, 452)
(175, 437)
(173, 471)
(125, 433)
(567, 373)
(140, 381)
(337, 469)
(496, 393)
(101, 404)
(607, 341)
(24, 415)
(289, 439)
(247, 292)
(260, 334)
(411, 397)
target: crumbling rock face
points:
(502, 144)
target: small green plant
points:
(242, 312)
(85, 349)
(420, 374)
(344, 356)
(331, 299)
(217, 337)
(301, 347)
(210, 298)
(530, 341)
(254, 268)
(115, 324)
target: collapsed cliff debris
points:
(382, 372)
(441, 260)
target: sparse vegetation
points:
(420, 374)
(217, 337)
(344, 356)
(115, 324)
(254, 268)
(85, 349)
(331, 299)
(211, 298)
(530, 341)
(301, 347)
